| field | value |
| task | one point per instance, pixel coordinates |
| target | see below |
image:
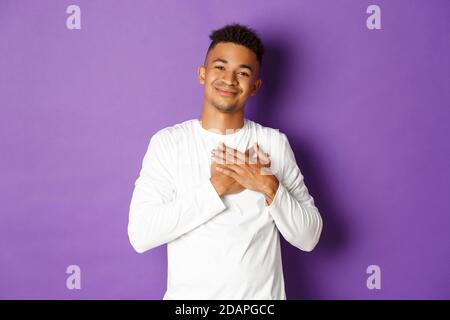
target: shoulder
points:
(171, 135)
(272, 137)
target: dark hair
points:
(238, 34)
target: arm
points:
(157, 213)
(292, 207)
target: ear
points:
(201, 74)
(256, 87)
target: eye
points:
(219, 67)
(245, 74)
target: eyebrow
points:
(240, 66)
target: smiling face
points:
(230, 76)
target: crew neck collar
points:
(233, 133)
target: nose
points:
(229, 78)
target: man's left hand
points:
(250, 169)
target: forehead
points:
(233, 53)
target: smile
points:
(226, 93)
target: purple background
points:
(366, 112)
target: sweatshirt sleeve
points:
(292, 208)
(157, 213)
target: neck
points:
(222, 122)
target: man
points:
(207, 189)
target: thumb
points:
(262, 157)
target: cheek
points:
(246, 87)
(212, 76)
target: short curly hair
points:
(238, 34)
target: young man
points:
(207, 189)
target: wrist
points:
(270, 188)
(218, 187)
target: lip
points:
(226, 93)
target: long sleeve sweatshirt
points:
(219, 247)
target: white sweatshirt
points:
(219, 248)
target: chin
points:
(227, 108)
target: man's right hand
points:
(222, 183)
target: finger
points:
(225, 158)
(262, 157)
(251, 155)
(221, 151)
(233, 152)
(227, 172)
(236, 168)
(217, 159)
(265, 171)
